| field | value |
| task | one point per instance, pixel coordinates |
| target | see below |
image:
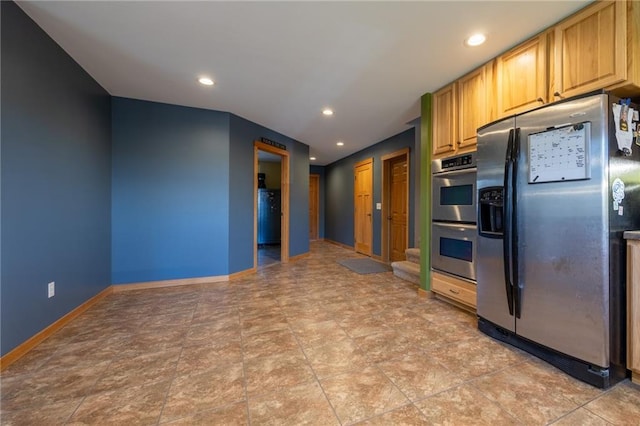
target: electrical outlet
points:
(51, 289)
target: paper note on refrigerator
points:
(623, 119)
(559, 154)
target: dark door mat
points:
(365, 266)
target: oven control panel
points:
(465, 161)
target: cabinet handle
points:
(459, 143)
(451, 144)
(558, 95)
(540, 100)
(454, 291)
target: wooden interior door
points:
(398, 206)
(363, 206)
(314, 206)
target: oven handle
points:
(458, 226)
(455, 172)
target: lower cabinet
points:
(458, 291)
(633, 308)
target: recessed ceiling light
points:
(312, 158)
(206, 81)
(340, 143)
(475, 40)
(327, 111)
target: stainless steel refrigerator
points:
(556, 189)
(269, 216)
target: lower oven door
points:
(453, 249)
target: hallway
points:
(308, 342)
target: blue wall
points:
(97, 190)
(242, 135)
(299, 208)
(182, 198)
(339, 196)
(170, 192)
(241, 183)
(319, 170)
(55, 181)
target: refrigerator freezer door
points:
(493, 304)
(563, 251)
(269, 216)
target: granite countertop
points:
(632, 235)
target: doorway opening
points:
(395, 205)
(271, 205)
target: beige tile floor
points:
(309, 342)
(268, 254)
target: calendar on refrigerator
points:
(559, 154)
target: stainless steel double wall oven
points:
(453, 226)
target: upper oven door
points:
(454, 196)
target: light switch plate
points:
(378, 206)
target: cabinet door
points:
(522, 77)
(591, 50)
(445, 127)
(472, 106)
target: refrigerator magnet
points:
(617, 190)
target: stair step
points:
(408, 271)
(413, 255)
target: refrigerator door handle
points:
(514, 224)
(506, 214)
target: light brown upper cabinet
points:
(458, 110)
(445, 120)
(597, 48)
(522, 82)
(473, 106)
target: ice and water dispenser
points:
(491, 220)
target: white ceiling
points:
(280, 63)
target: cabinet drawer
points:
(458, 290)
